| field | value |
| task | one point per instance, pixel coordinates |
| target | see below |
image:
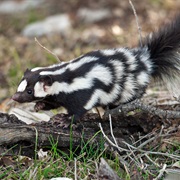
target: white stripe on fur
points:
(71, 65)
(99, 72)
(102, 97)
(22, 86)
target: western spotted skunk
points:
(105, 77)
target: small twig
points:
(112, 134)
(137, 22)
(143, 164)
(75, 169)
(47, 49)
(161, 172)
(147, 136)
(152, 152)
(126, 169)
(146, 142)
(111, 129)
(110, 142)
(152, 136)
(134, 159)
(160, 133)
(157, 165)
(136, 154)
(32, 174)
(36, 144)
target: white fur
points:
(147, 62)
(57, 72)
(99, 72)
(173, 85)
(108, 52)
(131, 59)
(36, 69)
(124, 51)
(51, 66)
(39, 90)
(128, 91)
(143, 78)
(103, 97)
(22, 86)
(119, 69)
(78, 84)
(86, 59)
(71, 65)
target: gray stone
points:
(93, 15)
(12, 6)
(172, 174)
(52, 24)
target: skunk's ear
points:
(27, 71)
(46, 80)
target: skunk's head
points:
(32, 87)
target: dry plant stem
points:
(137, 22)
(140, 146)
(133, 157)
(33, 174)
(151, 139)
(75, 169)
(157, 165)
(132, 152)
(111, 129)
(151, 152)
(127, 171)
(47, 49)
(112, 134)
(124, 109)
(110, 142)
(147, 136)
(161, 172)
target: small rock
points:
(52, 24)
(93, 15)
(172, 174)
(12, 6)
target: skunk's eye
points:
(29, 91)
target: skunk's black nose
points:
(16, 97)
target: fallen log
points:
(15, 132)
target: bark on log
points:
(14, 131)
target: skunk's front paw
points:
(63, 120)
(39, 106)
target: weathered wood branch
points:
(135, 105)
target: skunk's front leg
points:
(66, 120)
(44, 105)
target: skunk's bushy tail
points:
(164, 48)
